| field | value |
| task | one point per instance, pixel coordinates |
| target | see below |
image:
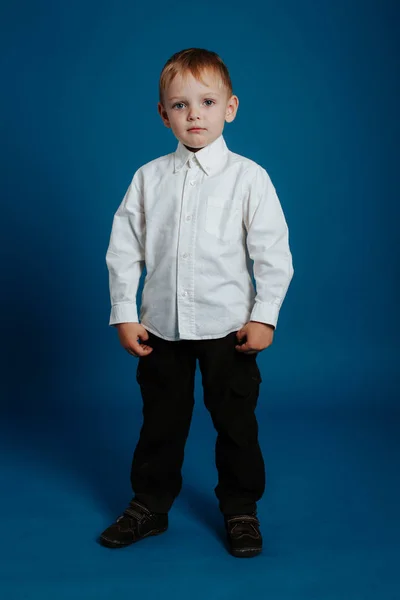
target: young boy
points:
(200, 219)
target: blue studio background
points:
(318, 85)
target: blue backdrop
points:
(318, 85)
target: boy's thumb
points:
(143, 335)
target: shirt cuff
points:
(124, 313)
(265, 313)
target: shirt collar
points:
(209, 157)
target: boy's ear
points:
(231, 109)
(163, 114)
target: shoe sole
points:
(246, 552)
(114, 544)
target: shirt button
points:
(185, 255)
(192, 182)
(189, 218)
(184, 293)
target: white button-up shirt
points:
(201, 223)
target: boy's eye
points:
(179, 105)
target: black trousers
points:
(231, 382)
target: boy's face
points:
(195, 111)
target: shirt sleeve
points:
(268, 247)
(125, 256)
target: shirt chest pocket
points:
(223, 220)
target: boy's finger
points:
(131, 352)
(139, 350)
(142, 349)
(242, 347)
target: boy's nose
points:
(193, 115)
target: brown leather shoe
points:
(136, 523)
(244, 536)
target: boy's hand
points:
(258, 336)
(128, 334)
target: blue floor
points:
(330, 515)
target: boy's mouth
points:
(196, 129)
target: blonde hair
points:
(194, 61)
